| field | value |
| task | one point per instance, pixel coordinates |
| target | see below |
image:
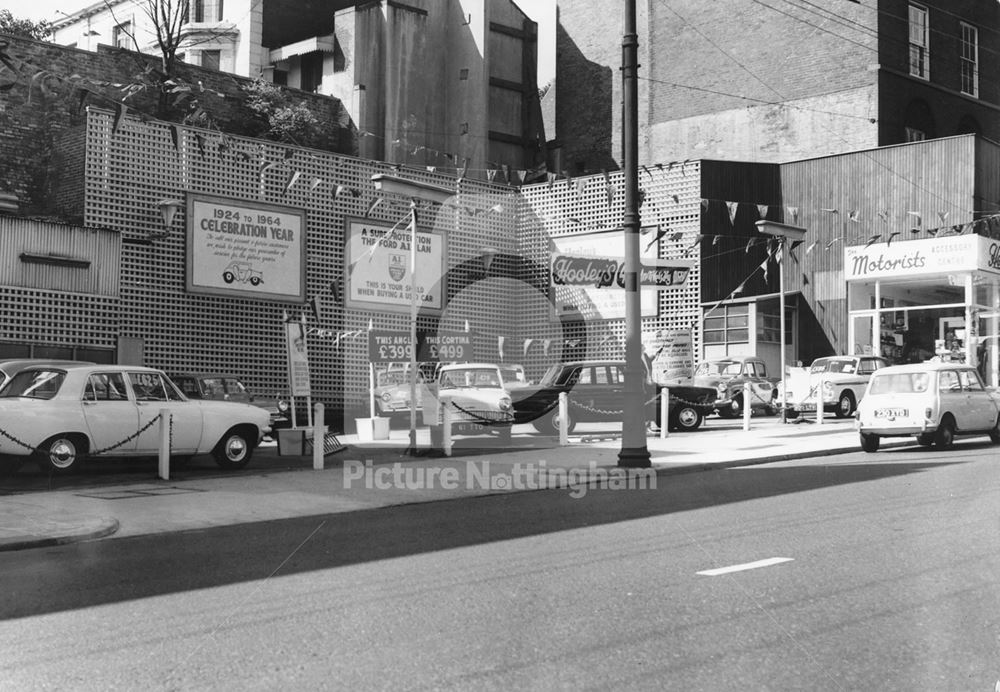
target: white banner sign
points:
(671, 352)
(298, 358)
(378, 267)
(245, 249)
(950, 254)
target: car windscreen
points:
(900, 383)
(473, 377)
(846, 367)
(35, 384)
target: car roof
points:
(207, 373)
(921, 367)
(19, 363)
(457, 366)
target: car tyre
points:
(995, 432)
(846, 405)
(686, 418)
(61, 454)
(925, 439)
(791, 414)
(945, 435)
(869, 442)
(234, 450)
(550, 424)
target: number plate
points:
(807, 407)
(890, 412)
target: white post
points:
(747, 408)
(319, 434)
(819, 403)
(781, 307)
(309, 411)
(164, 465)
(664, 412)
(291, 401)
(371, 390)
(563, 412)
(446, 417)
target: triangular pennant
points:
(491, 174)
(314, 304)
(546, 346)
(888, 241)
(611, 194)
(551, 177)
(763, 265)
(200, 141)
(884, 215)
(793, 212)
(527, 345)
(915, 214)
(648, 172)
(521, 173)
(337, 190)
(292, 178)
(314, 184)
(854, 215)
(175, 136)
(811, 246)
(732, 207)
(762, 209)
(500, 340)
(506, 173)
(943, 215)
(371, 207)
(120, 110)
(704, 203)
(805, 280)
(581, 185)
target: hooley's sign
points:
(605, 272)
(967, 253)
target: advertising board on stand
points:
(671, 354)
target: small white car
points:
(476, 397)
(839, 382)
(932, 401)
(59, 415)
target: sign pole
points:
(413, 328)
(371, 389)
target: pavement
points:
(372, 474)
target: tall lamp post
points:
(634, 453)
(784, 233)
(416, 191)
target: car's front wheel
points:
(925, 439)
(845, 405)
(995, 433)
(734, 409)
(685, 418)
(549, 423)
(869, 442)
(234, 450)
(61, 454)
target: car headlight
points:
(283, 405)
(504, 404)
(827, 388)
(386, 396)
(721, 388)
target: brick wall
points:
(50, 84)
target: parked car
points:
(392, 391)
(476, 397)
(225, 387)
(728, 375)
(932, 401)
(596, 390)
(8, 368)
(62, 415)
(839, 382)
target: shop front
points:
(934, 298)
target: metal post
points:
(319, 434)
(413, 328)
(634, 453)
(164, 461)
(446, 419)
(563, 419)
(819, 403)
(747, 408)
(781, 301)
(664, 412)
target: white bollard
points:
(319, 436)
(446, 419)
(664, 412)
(747, 408)
(164, 462)
(819, 404)
(563, 413)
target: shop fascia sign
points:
(609, 272)
(922, 257)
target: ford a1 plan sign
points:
(378, 267)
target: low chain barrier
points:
(107, 449)
(480, 419)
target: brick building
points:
(777, 82)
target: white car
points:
(932, 401)
(476, 398)
(838, 381)
(59, 415)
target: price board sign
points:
(396, 347)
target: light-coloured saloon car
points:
(476, 398)
(933, 401)
(60, 415)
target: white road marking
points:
(745, 566)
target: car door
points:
(980, 410)
(154, 393)
(952, 398)
(112, 417)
